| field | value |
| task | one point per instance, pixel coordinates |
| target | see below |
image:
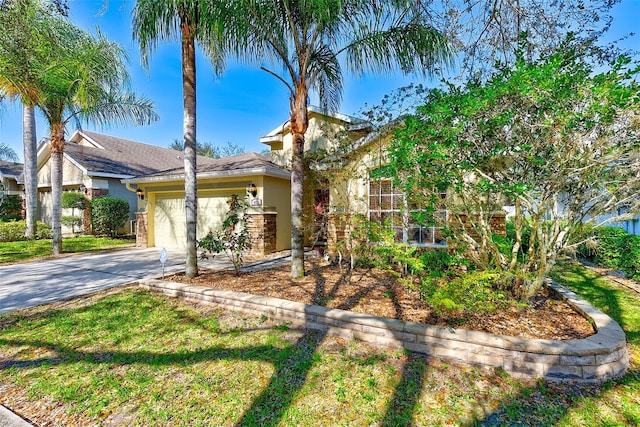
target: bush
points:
(14, 231)
(10, 207)
(469, 294)
(108, 214)
(233, 239)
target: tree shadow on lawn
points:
(538, 404)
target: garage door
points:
(170, 217)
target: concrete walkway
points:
(44, 281)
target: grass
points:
(33, 249)
(133, 358)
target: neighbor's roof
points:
(239, 165)
(112, 157)
(10, 170)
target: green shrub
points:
(108, 214)
(233, 238)
(72, 200)
(611, 246)
(14, 231)
(630, 262)
(472, 293)
(71, 221)
(10, 207)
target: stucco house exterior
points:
(338, 187)
(162, 220)
(94, 164)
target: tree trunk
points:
(57, 150)
(189, 126)
(30, 169)
(299, 125)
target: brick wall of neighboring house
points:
(142, 232)
(262, 229)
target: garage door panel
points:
(170, 217)
(170, 222)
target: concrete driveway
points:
(40, 282)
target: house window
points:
(388, 204)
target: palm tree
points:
(89, 82)
(27, 46)
(8, 153)
(313, 41)
(188, 20)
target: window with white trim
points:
(387, 203)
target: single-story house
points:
(163, 222)
(9, 177)
(10, 188)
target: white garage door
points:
(170, 222)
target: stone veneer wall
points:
(142, 232)
(263, 230)
(594, 359)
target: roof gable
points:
(104, 155)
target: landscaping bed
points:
(379, 293)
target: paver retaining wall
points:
(593, 359)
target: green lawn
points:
(134, 358)
(31, 249)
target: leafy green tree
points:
(313, 43)
(207, 149)
(553, 138)
(190, 21)
(108, 214)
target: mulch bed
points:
(378, 293)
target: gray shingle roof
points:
(10, 169)
(240, 162)
(124, 157)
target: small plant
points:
(233, 239)
(469, 294)
(73, 201)
(108, 214)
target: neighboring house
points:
(95, 164)
(9, 177)
(10, 188)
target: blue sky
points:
(238, 107)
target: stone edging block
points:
(597, 358)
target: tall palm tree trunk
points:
(299, 125)
(30, 169)
(189, 125)
(57, 151)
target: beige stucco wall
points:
(350, 185)
(10, 186)
(212, 196)
(71, 174)
(277, 195)
(323, 134)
